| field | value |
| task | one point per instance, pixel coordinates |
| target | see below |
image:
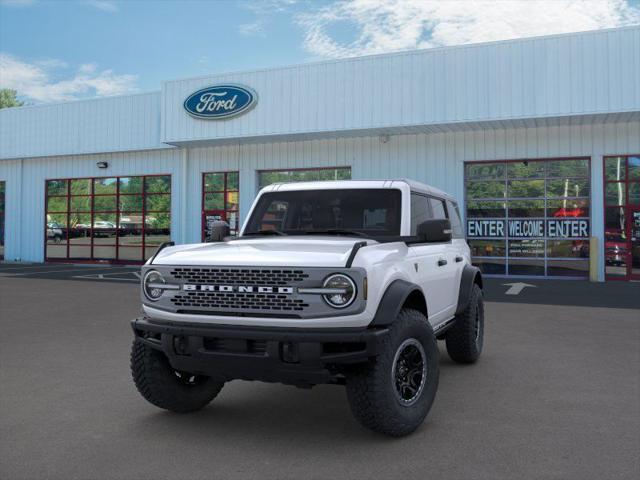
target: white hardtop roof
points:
(339, 184)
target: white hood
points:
(309, 251)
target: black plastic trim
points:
(467, 279)
(354, 251)
(392, 301)
(320, 354)
(160, 248)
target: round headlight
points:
(344, 291)
(150, 285)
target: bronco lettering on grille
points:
(237, 288)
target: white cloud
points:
(252, 29)
(104, 5)
(50, 63)
(36, 81)
(87, 68)
(388, 25)
(269, 6)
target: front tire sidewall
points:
(371, 391)
(415, 413)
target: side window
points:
(437, 207)
(419, 211)
(454, 216)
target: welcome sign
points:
(528, 228)
(219, 102)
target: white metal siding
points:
(91, 126)
(11, 174)
(434, 158)
(547, 77)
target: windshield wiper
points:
(335, 231)
(264, 232)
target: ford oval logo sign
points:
(220, 101)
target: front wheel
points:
(165, 387)
(394, 392)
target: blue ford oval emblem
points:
(220, 101)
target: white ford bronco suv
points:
(342, 282)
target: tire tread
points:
(152, 376)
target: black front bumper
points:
(294, 356)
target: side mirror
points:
(218, 230)
(435, 231)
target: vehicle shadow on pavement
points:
(275, 413)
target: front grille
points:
(239, 301)
(238, 276)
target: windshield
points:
(359, 212)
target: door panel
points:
(436, 270)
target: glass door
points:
(634, 243)
(220, 195)
(622, 217)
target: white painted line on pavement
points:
(14, 274)
(516, 288)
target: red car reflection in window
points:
(570, 212)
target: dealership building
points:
(538, 139)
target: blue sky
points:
(63, 50)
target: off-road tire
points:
(465, 338)
(162, 386)
(371, 388)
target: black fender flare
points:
(392, 302)
(470, 276)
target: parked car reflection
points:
(54, 232)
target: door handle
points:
(442, 262)
(459, 259)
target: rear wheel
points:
(166, 387)
(465, 338)
(394, 392)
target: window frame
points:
(224, 192)
(92, 215)
(545, 198)
(627, 206)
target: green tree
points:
(8, 98)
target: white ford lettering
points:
(209, 102)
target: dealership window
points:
(267, 177)
(529, 217)
(622, 217)
(2, 210)
(107, 219)
(220, 196)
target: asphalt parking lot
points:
(555, 395)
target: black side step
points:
(443, 327)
